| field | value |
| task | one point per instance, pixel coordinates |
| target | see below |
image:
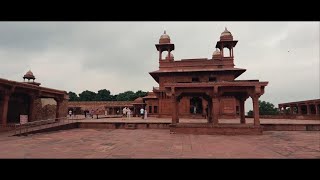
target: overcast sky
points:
(118, 56)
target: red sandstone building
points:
(202, 86)
(198, 88)
(27, 98)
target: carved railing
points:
(42, 124)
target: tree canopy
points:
(105, 95)
(87, 96)
(73, 96)
(265, 108)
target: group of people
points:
(126, 112)
(90, 113)
(143, 113)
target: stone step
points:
(130, 126)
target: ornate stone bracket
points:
(256, 92)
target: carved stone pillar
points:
(31, 107)
(299, 109)
(242, 111)
(291, 109)
(4, 108)
(209, 112)
(58, 108)
(62, 109)
(308, 109)
(177, 109)
(215, 109)
(174, 105)
(255, 101)
(174, 109)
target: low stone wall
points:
(185, 128)
(291, 127)
(216, 130)
(298, 117)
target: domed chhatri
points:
(226, 35)
(164, 38)
(216, 53)
(29, 75)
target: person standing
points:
(97, 113)
(70, 113)
(128, 113)
(92, 113)
(145, 114)
(142, 113)
(124, 111)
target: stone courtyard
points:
(195, 97)
(159, 143)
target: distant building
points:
(27, 98)
(307, 107)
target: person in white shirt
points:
(142, 113)
(124, 111)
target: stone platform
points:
(198, 126)
(210, 129)
(159, 144)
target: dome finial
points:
(225, 28)
(164, 38)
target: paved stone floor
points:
(157, 143)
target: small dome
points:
(216, 53)
(138, 100)
(226, 35)
(164, 38)
(29, 75)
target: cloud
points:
(78, 56)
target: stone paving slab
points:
(159, 143)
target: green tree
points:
(87, 96)
(265, 108)
(126, 96)
(103, 95)
(130, 95)
(73, 96)
(140, 94)
(114, 97)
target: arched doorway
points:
(19, 104)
